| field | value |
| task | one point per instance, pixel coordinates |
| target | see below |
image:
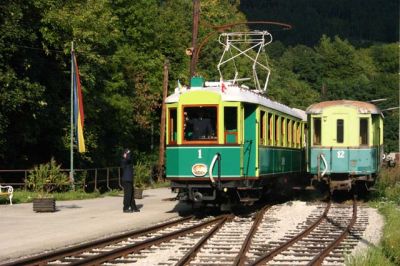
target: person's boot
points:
(135, 209)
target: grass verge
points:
(22, 196)
(386, 199)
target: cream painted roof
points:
(362, 107)
(234, 93)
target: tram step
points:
(247, 200)
(249, 188)
(304, 188)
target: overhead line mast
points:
(195, 31)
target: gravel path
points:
(373, 231)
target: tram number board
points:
(340, 154)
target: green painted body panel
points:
(180, 159)
(345, 160)
(274, 160)
(230, 138)
(197, 82)
(250, 140)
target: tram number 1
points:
(199, 153)
(340, 154)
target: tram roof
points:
(234, 93)
(362, 107)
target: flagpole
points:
(71, 173)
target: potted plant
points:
(142, 173)
(44, 179)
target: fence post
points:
(95, 180)
(119, 178)
(84, 181)
(26, 177)
(108, 179)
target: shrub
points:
(46, 178)
(142, 172)
(388, 184)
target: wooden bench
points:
(7, 191)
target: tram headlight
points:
(199, 169)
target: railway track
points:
(328, 232)
(313, 241)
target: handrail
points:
(326, 165)
(212, 168)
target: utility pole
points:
(162, 124)
(195, 31)
(71, 171)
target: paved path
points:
(25, 232)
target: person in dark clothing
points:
(127, 182)
(200, 127)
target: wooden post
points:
(162, 125)
(195, 30)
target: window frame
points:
(277, 139)
(226, 133)
(172, 125)
(262, 128)
(271, 128)
(314, 135)
(289, 133)
(361, 143)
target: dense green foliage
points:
(361, 21)
(387, 198)
(121, 47)
(388, 185)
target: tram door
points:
(340, 154)
(249, 144)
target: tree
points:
(23, 98)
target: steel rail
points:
(318, 259)
(193, 251)
(270, 255)
(42, 259)
(241, 257)
(132, 248)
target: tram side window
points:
(262, 127)
(363, 131)
(172, 125)
(294, 134)
(317, 131)
(283, 132)
(289, 133)
(230, 122)
(339, 130)
(271, 129)
(200, 123)
(277, 131)
(298, 136)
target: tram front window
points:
(200, 123)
